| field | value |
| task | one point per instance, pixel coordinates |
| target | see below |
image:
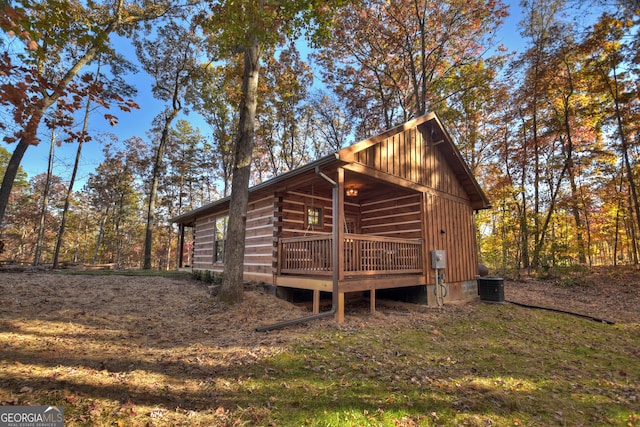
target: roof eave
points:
(190, 216)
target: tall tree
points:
(114, 193)
(189, 180)
(283, 130)
(26, 225)
(57, 46)
(542, 28)
(331, 127)
(394, 60)
(96, 89)
(613, 77)
(172, 60)
(7, 240)
(45, 202)
(251, 27)
(215, 95)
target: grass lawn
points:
(488, 365)
(478, 364)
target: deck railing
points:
(363, 254)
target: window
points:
(220, 238)
(314, 217)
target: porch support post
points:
(180, 259)
(338, 244)
(425, 253)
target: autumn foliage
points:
(550, 131)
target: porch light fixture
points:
(352, 192)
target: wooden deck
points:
(364, 255)
(368, 263)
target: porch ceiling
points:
(369, 188)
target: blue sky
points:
(137, 122)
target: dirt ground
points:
(149, 307)
(611, 294)
(147, 310)
(110, 344)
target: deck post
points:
(424, 227)
(372, 300)
(316, 301)
(338, 244)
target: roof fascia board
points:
(461, 161)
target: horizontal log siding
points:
(203, 243)
(292, 214)
(258, 250)
(412, 156)
(392, 217)
(458, 240)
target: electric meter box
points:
(438, 259)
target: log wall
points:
(392, 217)
(203, 235)
(291, 214)
(291, 211)
(258, 253)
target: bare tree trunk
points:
(552, 207)
(617, 227)
(524, 218)
(103, 220)
(575, 197)
(10, 174)
(630, 179)
(624, 145)
(231, 290)
(151, 206)
(76, 164)
(119, 238)
(45, 203)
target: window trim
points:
(217, 241)
(320, 218)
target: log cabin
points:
(395, 211)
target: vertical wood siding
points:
(411, 155)
(456, 220)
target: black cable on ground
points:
(584, 316)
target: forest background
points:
(550, 132)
